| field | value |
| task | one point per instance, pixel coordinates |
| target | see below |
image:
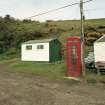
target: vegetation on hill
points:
(13, 32)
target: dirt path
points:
(28, 89)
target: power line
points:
(53, 10)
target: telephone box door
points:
(73, 56)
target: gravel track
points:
(29, 89)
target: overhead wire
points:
(53, 10)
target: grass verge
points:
(56, 70)
(53, 70)
(92, 77)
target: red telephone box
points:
(73, 56)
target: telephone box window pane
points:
(40, 47)
(29, 47)
(73, 54)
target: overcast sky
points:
(22, 9)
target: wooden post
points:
(82, 37)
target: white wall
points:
(99, 51)
(35, 54)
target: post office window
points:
(29, 47)
(40, 46)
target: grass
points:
(93, 77)
(52, 70)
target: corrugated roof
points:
(39, 41)
(102, 39)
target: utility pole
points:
(82, 37)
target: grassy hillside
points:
(13, 32)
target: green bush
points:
(11, 53)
